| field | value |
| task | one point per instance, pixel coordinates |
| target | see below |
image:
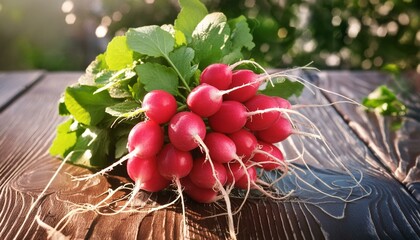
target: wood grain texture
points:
(385, 210)
(13, 84)
(398, 150)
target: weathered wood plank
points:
(387, 212)
(398, 150)
(13, 84)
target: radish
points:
(218, 75)
(199, 194)
(145, 173)
(205, 100)
(231, 117)
(282, 103)
(159, 106)
(145, 176)
(244, 182)
(156, 183)
(245, 143)
(186, 131)
(173, 163)
(279, 131)
(204, 173)
(234, 171)
(264, 120)
(222, 149)
(242, 77)
(145, 139)
(268, 156)
(141, 169)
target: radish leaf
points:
(120, 109)
(209, 39)
(151, 41)
(118, 55)
(156, 76)
(384, 101)
(285, 89)
(182, 59)
(192, 12)
(91, 149)
(241, 36)
(86, 107)
(65, 140)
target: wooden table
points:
(384, 205)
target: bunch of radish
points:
(228, 132)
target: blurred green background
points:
(333, 34)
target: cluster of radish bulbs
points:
(219, 142)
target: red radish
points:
(282, 103)
(156, 183)
(245, 143)
(198, 194)
(145, 176)
(242, 182)
(268, 156)
(186, 130)
(234, 171)
(141, 169)
(159, 106)
(205, 100)
(231, 117)
(218, 75)
(202, 173)
(264, 120)
(279, 131)
(222, 149)
(173, 163)
(145, 139)
(239, 78)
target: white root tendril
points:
(105, 170)
(185, 231)
(248, 189)
(53, 234)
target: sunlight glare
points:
(67, 6)
(354, 27)
(70, 18)
(101, 31)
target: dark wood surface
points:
(398, 151)
(14, 84)
(326, 204)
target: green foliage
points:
(183, 61)
(384, 101)
(150, 40)
(65, 140)
(86, 107)
(192, 12)
(284, 88)
(156, 76)
(118, 55)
